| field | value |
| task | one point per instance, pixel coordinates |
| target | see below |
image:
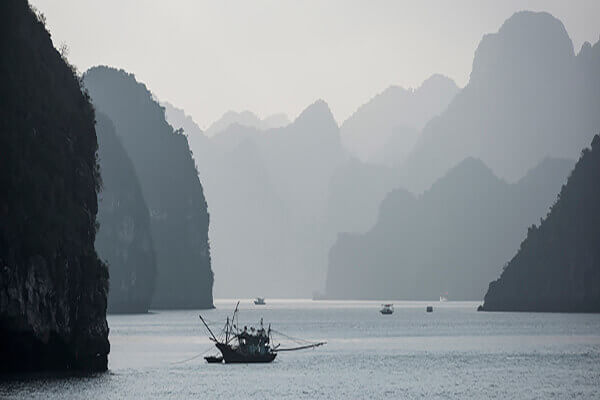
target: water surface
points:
(454, 352)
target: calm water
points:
(454, 352)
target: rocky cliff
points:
(385, 129)
(300, 160)
(170, 185)
(267, 194)
(124, 239)
(528, 95)
(557, 267)
(452, 238)
(53, 287)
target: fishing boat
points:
(259, 301)
(248, 345)
(387, 309)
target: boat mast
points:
(234, 313)
(269, 336)
(227, 330)
(207, 327)
(230, 332)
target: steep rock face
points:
(528, 97)
(53, 287)
(170, 185)
(301, 159)
(250, 223)
(450, 239)
(356, 191)
(395, 117)
(124, 239)
(267, 194)
(557, 267)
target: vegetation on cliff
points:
(53, 287)
(557, 267)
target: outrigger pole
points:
(211, 332)
(308, 346)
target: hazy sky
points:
(281, 55)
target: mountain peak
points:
(468, 166)
(245, 118)
(523, 21)
(319, 106)
(469, 172)
(248, 119)
(316, 113)
(276, 120)
(526, 43)
(437, 82)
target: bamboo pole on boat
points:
(207, 327)
(308, 346)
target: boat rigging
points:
(248, 345)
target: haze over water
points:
(454, 352)
(357, 153)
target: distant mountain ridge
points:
(528, 97)
(395, 116)
(356, 190)
(451, 238)
(557, 267)
(267, 193)
(290, 190)
(248, 119)
(197, 139)
(177, 118)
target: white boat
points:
(444, 297)
(387, 309)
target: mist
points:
(354, 199)
(272, 57)
(305, 121)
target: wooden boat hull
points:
(231, 355)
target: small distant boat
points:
(444, 297)
(319, 296)
(387, 309)
(429, 309)
(259, 301)
(248, 345)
